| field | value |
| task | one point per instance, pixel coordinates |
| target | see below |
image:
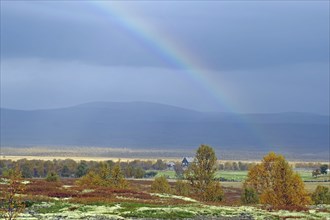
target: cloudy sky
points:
(241, 56)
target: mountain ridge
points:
(152, 125)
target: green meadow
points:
(241, 175)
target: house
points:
(186, 161)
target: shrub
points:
(104, 177)
(160, 185)
(182, 188)
(92, 179)
(321, 195)
(213, 192)
(52, 177)
(249, 196)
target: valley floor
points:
(66, 200)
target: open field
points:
(66, 200)
(310, 186)
(241, 175)
(107, 153)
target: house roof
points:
(189, 159)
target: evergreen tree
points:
(117, 179)
(324, 168)
(82, 169)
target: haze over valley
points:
(142, 125)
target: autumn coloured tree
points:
(11, 203)
(201, 173)
(105, 176)
(276, 183)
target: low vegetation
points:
(103, 192)
(321, 195)
(160, 185)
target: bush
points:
(160, 185)
(104, 177)
(52, 177)
(321, 195)
(150, 174)
(213, 192)
(249, 196)
(182, 188)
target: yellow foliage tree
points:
(276, 183)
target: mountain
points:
(157, 126)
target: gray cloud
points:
(259, 56)
(34, 83)
(222, 35)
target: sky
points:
(238, 56)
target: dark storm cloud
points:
(268, 56)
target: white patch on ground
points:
(87, 190)
(127, 198)
(25, 182)
(4, 181)
(174, 197)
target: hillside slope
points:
(150, 125)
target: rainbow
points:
(166, 48)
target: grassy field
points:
(241, 175)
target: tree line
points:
(74, 169)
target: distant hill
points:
(157, 126)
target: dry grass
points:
(139, 191)
(311, 186)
